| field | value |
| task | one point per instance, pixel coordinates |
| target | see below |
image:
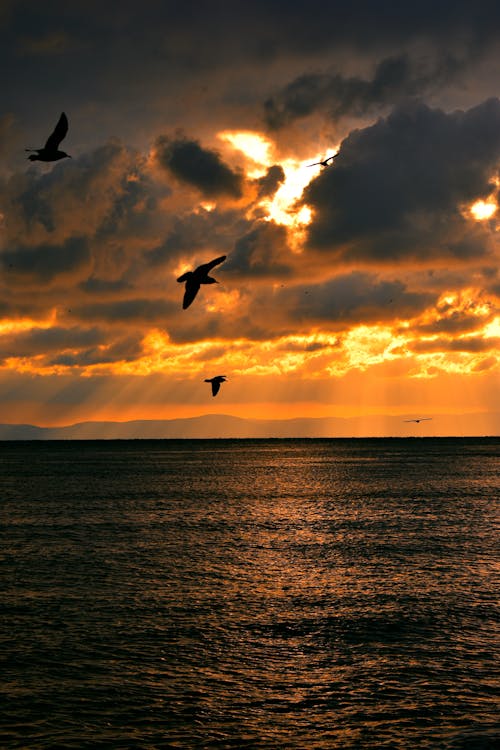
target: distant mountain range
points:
(225, 426)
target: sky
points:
(367, 287)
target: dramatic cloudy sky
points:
(370, 286)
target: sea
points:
(278, 594)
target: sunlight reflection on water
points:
(260, 594)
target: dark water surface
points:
(250, 594)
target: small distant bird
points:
(50, 152)
(323, 163)
(199, 276)
(216, 383)
(422, 419)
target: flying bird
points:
(422, 419)
(50, 152)
(323, 163)
(199, 276)
(216, 383)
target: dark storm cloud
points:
(125, 349)
(115, 67)
(491, 279)
(219, 32)
(51, 43)
(452, 276)
(186, 332)
(97, 286)
(200, 231)
(35, 204)
(7, 134)
(267, 312)
(16, 307)
(44, 262)
(263, 251)
(133, 206)
(91, 218)
(42, 340)
(272, 311)
(495, 289)
(238, 324)
(270, 182)
(200, 167)
(473, 344)
(394, 78)
(454, 324)
(397, 188)
(353, 298)
(155, 311)
(105, 192)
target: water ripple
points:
(250, 594)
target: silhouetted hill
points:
(225, 426)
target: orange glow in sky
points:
(340, 351)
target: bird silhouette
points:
(323, 163)
(199, 276)
(422, 419)
(50, 152)
(216, 383)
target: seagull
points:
(422, 419)
(50, 152)
(323, 163)
(216, 383)
(199, 276)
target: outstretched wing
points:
(206, 267)
(323, 163)
(192, 289)
(58, 134)
(215, 387)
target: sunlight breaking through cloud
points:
(482, 210)
(282, 206)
